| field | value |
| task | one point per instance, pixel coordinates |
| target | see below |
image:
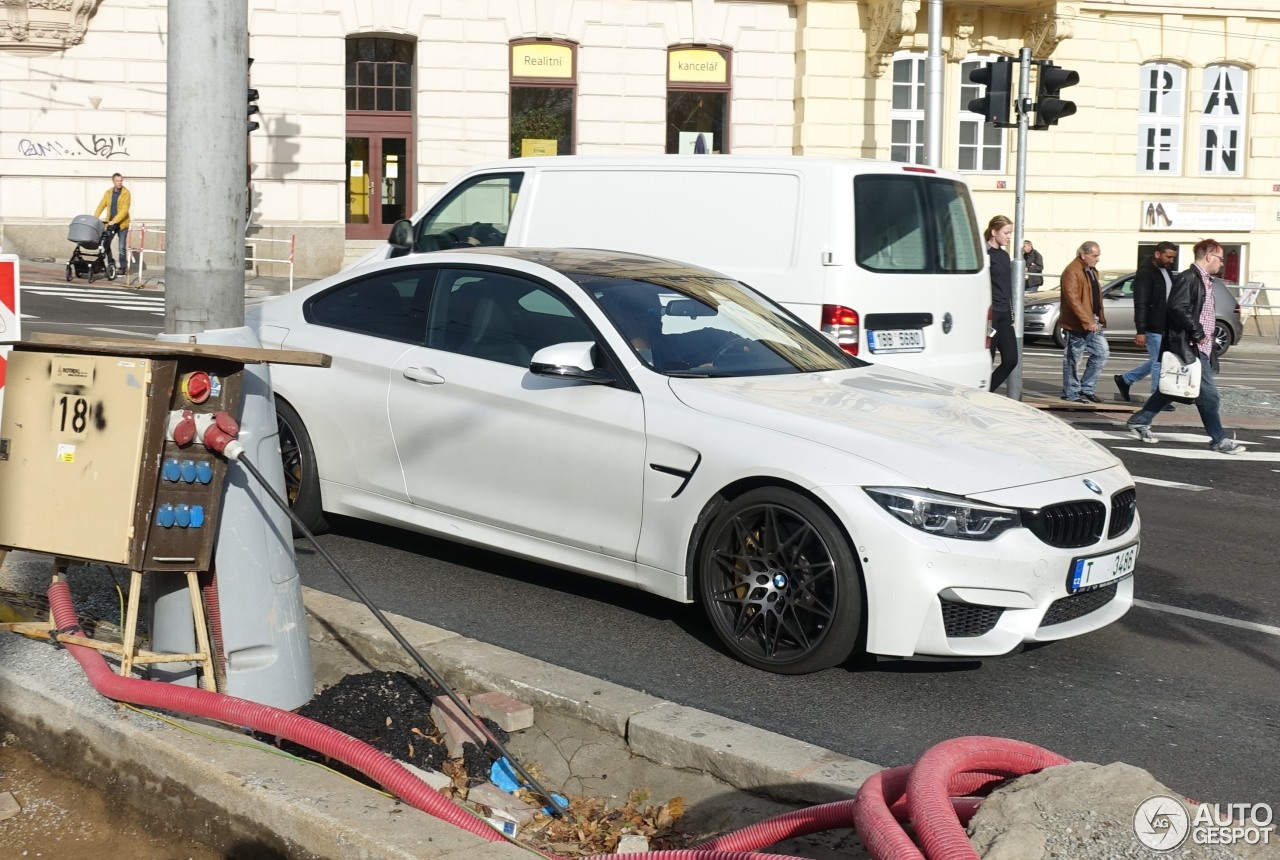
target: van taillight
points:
(990, 319)
(841, 325)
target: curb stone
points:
(229, 796)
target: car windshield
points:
(707, 326)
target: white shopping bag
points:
(1178, 379)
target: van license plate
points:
(896, 340)
(1089, 573)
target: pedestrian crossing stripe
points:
(1172, 436)
(1176, 485)
(116, 301)
(1205, 454)
(96, 294)
(120, 298)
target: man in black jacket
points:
(1151, 286)
(1188, 334)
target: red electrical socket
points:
(182, 427)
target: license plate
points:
(896, 340)
(1089, 573)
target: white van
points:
(885, 258)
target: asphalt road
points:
(1184, 686)
(1193, 700)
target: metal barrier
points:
(254, 258)
(135, 263)
(137, 253)
(1248, 295)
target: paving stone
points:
(509, 713)
(454, 725)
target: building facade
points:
(368, 107)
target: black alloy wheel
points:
(301, 476)
(779, 583)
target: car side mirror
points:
(401, 236)
(570, 361)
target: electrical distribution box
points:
(89, 468)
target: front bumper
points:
(1037, 324)
(934, 596)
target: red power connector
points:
(182, 427)
(217, 431)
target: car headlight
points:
(945, 516)
(1037, 309)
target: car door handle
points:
(423, 374)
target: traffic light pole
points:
(1019, 214)
(205, 154)
(994, 106)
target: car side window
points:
(1122, 290)
(500, 317)
(474, 214)
(390, 305)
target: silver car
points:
(1041, 310)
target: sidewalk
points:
(48, 270)
(224, 789)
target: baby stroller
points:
(91, 256)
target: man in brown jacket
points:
(1082, 318)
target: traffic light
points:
(1051, 81)
(251, 108)
(250, 125)
(997, 77)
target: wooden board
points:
(44, 342)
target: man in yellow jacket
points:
(115, 202)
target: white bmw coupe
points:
(667, 427)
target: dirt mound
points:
(391, 712)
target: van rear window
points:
(915, 225)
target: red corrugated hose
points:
(936, 796)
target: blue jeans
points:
(1093, 341)
(1151, 365)
(1206, 403)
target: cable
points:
(236, 453)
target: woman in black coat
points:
(1005, 339)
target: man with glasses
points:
(1083, 319)
(1188, 334)
(1151, 286)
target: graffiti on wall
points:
(98, 146)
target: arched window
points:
(1222, 122)
(544, 89)
(379, 75)
(1162, 89)
(379, 170)
(698, 86)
